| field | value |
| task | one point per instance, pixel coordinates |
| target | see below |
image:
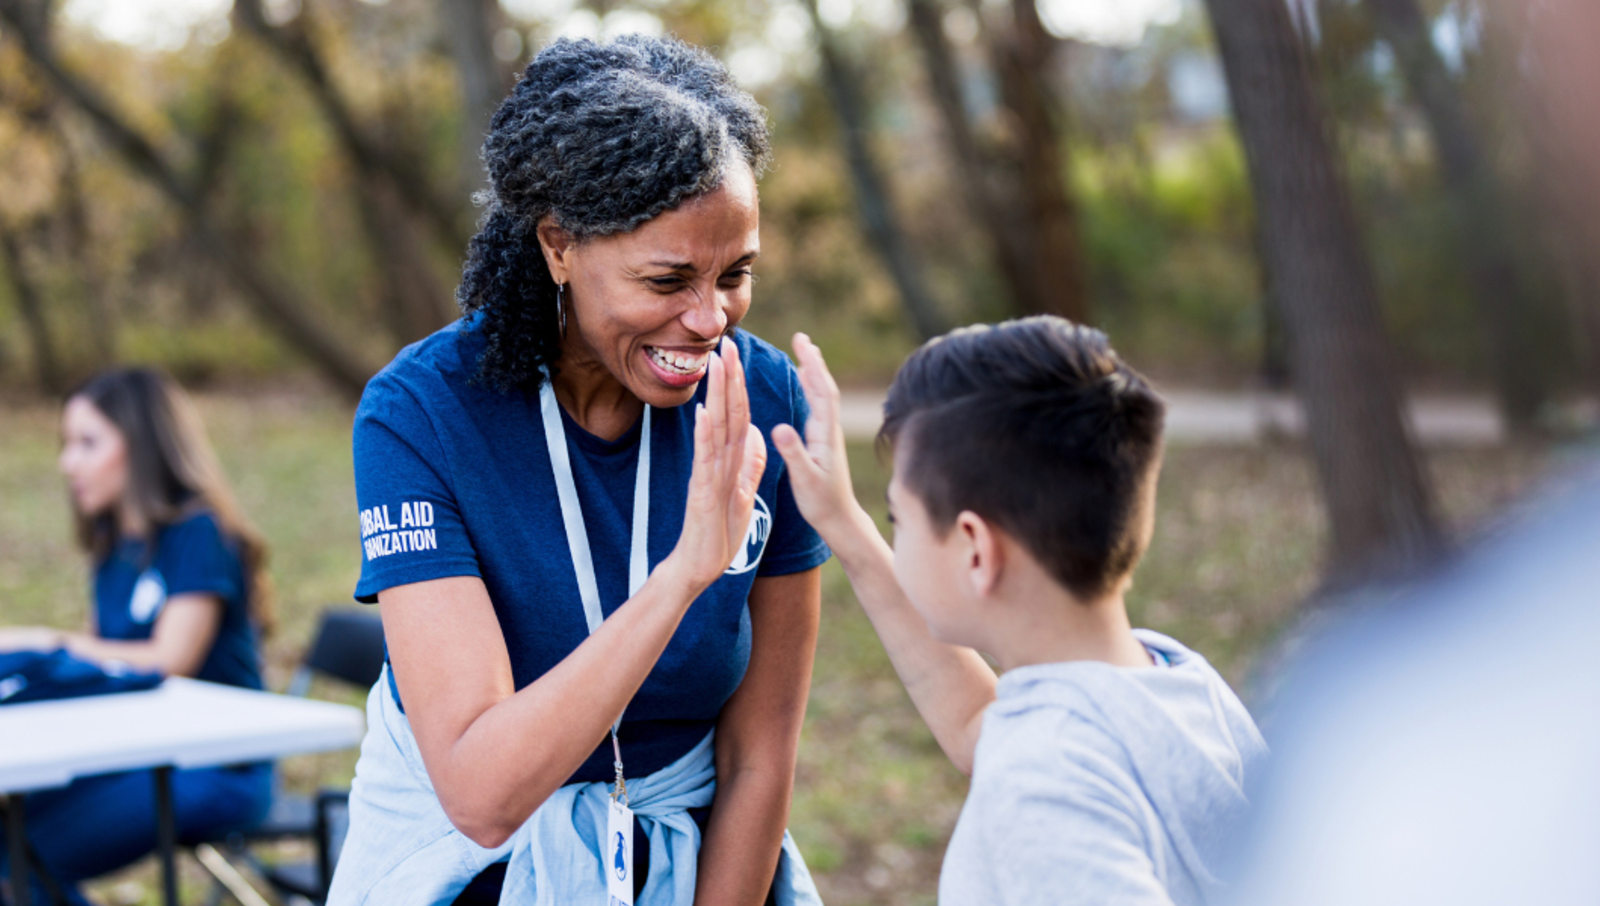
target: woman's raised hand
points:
(819, 472)
(729, 458)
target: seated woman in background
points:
(178, 588)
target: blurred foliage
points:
(1162, 194)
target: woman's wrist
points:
(678, 579)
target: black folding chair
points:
(348, 647)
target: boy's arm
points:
(950, 685)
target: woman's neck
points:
(130, 522)
(592, 395)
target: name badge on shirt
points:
(619, 843)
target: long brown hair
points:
(172, 472)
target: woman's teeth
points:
(675, 362)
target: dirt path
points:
(1234, 419)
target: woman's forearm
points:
(739, 853)
(141, 654)
(495, 755)
(758, 735)
(949, 684)
(178, 644)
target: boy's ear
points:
(983, 550)
(556, 243)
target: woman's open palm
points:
(729, 459)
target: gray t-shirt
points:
(1099, 784)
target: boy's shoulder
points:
(1180, 697)
(1132, 776)
(1044, 748)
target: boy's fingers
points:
(821, 363)
(789, 445)
(827, 375)
(821, 393)
(803, 470)
(808, 372)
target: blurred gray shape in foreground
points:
(1445, 748)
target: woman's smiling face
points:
(650, 306)
(94, 457)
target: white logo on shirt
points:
(149, 593)
(382, 536)
(755, 539)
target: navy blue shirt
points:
(453, 478)
(191, 556)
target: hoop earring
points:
(561, 309)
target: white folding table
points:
(182, 723)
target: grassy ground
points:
(1236, 546)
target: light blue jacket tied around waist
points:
(402, 850)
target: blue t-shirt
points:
(191, 556)
(453, 478)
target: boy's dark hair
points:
(1039, 427)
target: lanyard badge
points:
(618, 850)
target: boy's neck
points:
(1052, 626)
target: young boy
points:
(1108, 763)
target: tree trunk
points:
(97, 295)
(1053, 244)
(272, 301)
(1480, 211)
(872, 190)
(1379, 505)
(47, 368)
(1556, 103)
(470, 26)
(991, 202)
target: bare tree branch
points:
(294, 46)
(872, 189)
(1021, 197)
(102, 320)
(414, 302)
(1023, 59)
(31, 306)
(272, 301)
(470, 25)
(1480, 210)
(991, 205)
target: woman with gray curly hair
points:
(548, 485)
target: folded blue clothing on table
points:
(34, 676)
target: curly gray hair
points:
(603, 137)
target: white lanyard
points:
(555, 438)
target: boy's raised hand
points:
(950, 685)
(819, 471)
